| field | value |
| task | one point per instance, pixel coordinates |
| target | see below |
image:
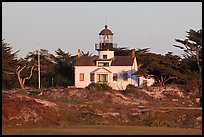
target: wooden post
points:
(38, 68)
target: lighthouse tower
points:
(105, 46)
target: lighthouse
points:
(107, 68)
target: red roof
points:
(86, 61)
(122, 61)
(116, 61)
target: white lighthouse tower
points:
(105, 46)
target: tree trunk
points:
(22, 85)
(22, 80)
(162, 82)
(198, 63)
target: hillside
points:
(168, 106)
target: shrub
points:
(98, 87)
(130, 87)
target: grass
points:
(103, 130)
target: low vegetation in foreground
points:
(169, 106)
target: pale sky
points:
(28, 26)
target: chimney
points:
(78, 53)
(133, 53)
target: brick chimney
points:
(78, 53)
(133, 53)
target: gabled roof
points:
(122, 61)
(86, 61)
(101, 69)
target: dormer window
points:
(106, 64)
(103, 64)
(104, 56)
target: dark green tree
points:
(163, 68)
(192, 62)
(9, 66)
(64, 68)
(192, 47)
(86, 54)
(9, 59)
(122, 51)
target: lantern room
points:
(105, 40)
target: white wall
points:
(86, 70)
(150, 81)
(120, 84)
(110, 54)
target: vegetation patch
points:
(98, 87)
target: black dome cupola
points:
(106, 31)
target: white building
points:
(116, 71)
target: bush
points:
(98, 87)
(130, 87)
(152, 122)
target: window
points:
(102, 78)
(103, 64)
(104, 56)
(91, 77)
(100, 64)
(125, 76)
(81, 77)
(115, 76)
(106, 39)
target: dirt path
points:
(103, 130)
